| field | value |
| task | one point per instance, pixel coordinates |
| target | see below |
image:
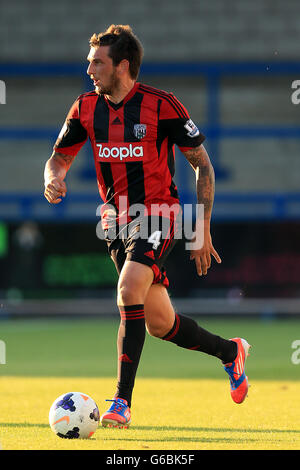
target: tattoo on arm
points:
(57, 166)
(205, 177)
(61, 157)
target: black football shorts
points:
(148, 241)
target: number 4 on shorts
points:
(155, 239)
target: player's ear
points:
(123, 66)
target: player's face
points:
(102, 71)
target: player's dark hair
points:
(123, 45)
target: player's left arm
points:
(205, 187)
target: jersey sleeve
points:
(177, 125)
(72, 135)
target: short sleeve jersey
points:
(132, 142)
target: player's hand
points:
(202, 256)
(55, 190)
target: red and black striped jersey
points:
(132, 142)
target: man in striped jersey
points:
(132, 128)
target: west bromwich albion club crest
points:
(140, 130)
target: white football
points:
(74, 415)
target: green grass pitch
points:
(181, 398)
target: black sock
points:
(131, 337)
(186, 333)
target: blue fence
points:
(228, 206)
(270, 206)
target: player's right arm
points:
(56, 169)
(70, 140)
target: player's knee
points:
(151, 331)
(134, 283)
(128, 295)
(124, 295)
(158, 330)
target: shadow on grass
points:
(24, 425)
(164, 428)
(202, 429)
(185, 439)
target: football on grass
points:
(74, 415)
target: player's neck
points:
(121, 91)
